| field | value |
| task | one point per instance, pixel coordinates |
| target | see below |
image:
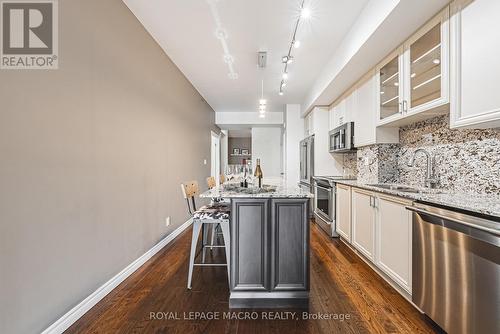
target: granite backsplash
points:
(467, 160)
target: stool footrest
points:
(210, 264)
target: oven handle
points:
(320, 215)
(324, 188)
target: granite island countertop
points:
(271, 188)
(475, 203)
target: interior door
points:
(215, 157)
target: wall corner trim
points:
(85, 305)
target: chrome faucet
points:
(430, 179)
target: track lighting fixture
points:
(305, 13)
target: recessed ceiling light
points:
(382, 93)
(285, 76)
(296, 44)
(305, 13)
(436, 61)
(396, 84)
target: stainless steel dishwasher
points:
(456, 269)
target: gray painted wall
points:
(92, 156)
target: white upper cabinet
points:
(390, 88)
(308, 125)
(426, 62)
(337, 114)
(413, 82)
(475, 64)
(365, 116)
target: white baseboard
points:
(79, 310)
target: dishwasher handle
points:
(475, 227)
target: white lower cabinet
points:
(363, 222)
(343, 215)
(394, 228)
(381, 230)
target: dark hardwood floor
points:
(341, 284)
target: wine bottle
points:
(258, 173)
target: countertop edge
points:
(447, 199)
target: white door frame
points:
(215, 156)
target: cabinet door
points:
(390, 88)
(343, 214)
(338, 115)
(426, 66)
(394, 239)
(350, 108)
(249, 261)
(289, 245)
(363, 222)
(365, 114)
(475, 102)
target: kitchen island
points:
(269, 260)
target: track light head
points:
(305, 13)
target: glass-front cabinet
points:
(425, 68)
(415, 78)
(390, 87)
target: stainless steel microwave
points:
(342, 138)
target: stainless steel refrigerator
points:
(307, 165)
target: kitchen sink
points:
(406, 189)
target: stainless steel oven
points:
(341, 139)
(324, 204)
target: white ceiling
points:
(185, 29)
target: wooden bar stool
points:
(210, 214)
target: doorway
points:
(215, 157)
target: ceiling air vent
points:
(262, 59)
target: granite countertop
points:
(272, 187)
(476, 203)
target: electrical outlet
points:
(167, 221)
(205, 161)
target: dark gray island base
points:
(269, 252)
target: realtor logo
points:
(29, 34)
